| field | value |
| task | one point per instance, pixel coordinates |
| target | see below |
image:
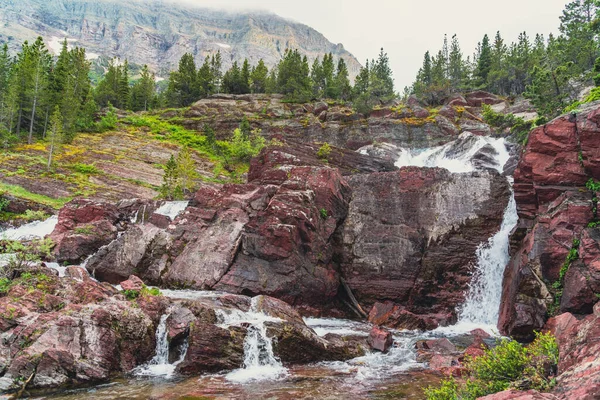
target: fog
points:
(408, 28)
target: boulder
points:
(519, 395)
(83, 227)
(380, 339)
(132, 283)
(142, 249)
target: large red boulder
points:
(579, 365)
(83, 227)
(380, 339)
(479, 97)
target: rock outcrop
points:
(410, 237)
(555, 208)
(59, 332)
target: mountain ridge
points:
(158, 33)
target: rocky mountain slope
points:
(158, 33)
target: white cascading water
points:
(456, 156)
(159, 366)
(260, 362)
(172, 209)
(32, 230)
(482, 304)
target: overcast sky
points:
(408, 28)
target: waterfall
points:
(482, 304)
(159, 366)
(172, 209)
(260, 362)
(469, 152)
(32, 230)
(458, 156)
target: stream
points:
(373, 376)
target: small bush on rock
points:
(508, 365)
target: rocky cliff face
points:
(158, 33)
(555, 208)
(410, 240)
(404, 239)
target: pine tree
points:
(216, 63)
(245, 78)
(143, 91)
(205, 79)
(171, 189)
(456, 67)
(123, 92)
(328, 68)
(245, 128)
(55, 135)
(258, 77)
(209, 134)
(484, 62)
(343, 89)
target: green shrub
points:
(323, 213)
(24, 255)
(144, 292)
(508, 365)
(324, 151)
(4, 203)
(85, 169)
(85, 230)
(31, 215)
(517, 126)
(109, 121)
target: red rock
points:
(457, 101)
(554, 209)
(320, 107)
(380, 339)
(443, 346)
(83, 227)
(477, 98)
(439, 362)
(133, 283)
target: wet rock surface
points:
(60, 332)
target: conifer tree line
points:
(36, 87)
(544, 69)
(33, 85)
(293, 77)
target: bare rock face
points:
(380, 339)
(410, 239)
(554, 211)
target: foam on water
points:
(32, 230)
(260, 362)
(159, 366)
(172, 209)
(456, 156)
